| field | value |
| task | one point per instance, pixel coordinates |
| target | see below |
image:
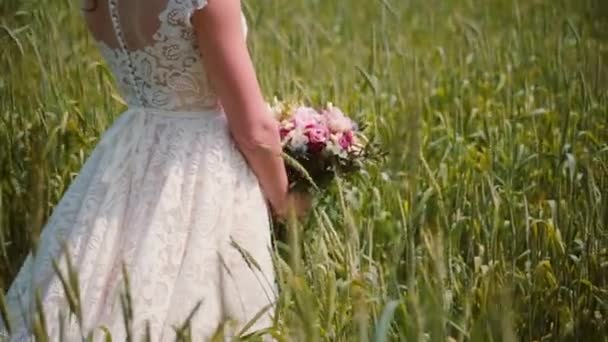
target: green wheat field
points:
(488, 218)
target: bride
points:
(177, 189)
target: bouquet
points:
(319, 144)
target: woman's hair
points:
(92, 8)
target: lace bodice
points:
(151, 47)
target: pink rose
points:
(346, 140)
(317, 137)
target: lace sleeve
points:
(191, 6)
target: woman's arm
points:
(230, 70)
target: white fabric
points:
(164, 69)
(167, 73)
(166, 192)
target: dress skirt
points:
(168, 196)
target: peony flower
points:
(305, 116)
(336, 120)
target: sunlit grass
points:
(488, 220)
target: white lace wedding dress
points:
(165, 191)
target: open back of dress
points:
(152, 50)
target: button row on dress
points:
(122, 41)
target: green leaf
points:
(384, 324)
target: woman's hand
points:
(297, 204)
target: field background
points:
(487, 221)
